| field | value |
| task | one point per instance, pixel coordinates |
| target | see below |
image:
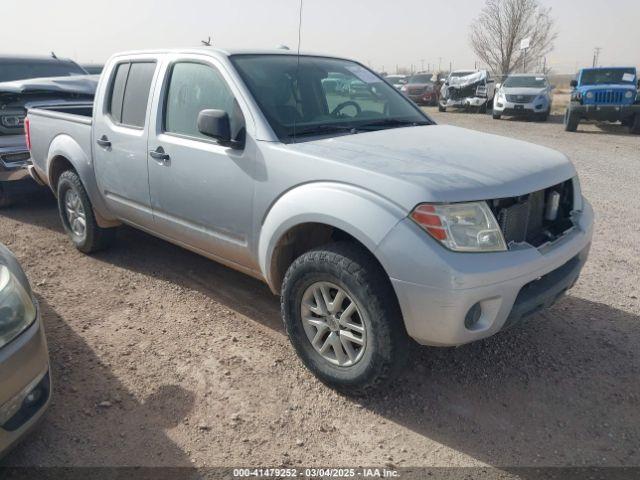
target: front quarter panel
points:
(361, 213)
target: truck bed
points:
(52, 125)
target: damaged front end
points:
(470, 90)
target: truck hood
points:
(441, 163)
(607, 86)
(79, 84)
(523, 90)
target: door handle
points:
(103, 141)
(160, 156)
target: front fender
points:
(64, 146)
(361, 213)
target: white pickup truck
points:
(374, 224)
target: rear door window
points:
(130, 93)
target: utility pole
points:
(596, 56)
(544, 65)
(439, 64)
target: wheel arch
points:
(313, 215)
(66, 154)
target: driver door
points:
(201, 192)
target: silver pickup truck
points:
(373, 224)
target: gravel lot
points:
(161, 357)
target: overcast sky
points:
(381, 33)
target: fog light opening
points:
(473, 316)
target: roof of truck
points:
(226, 52)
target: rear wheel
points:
(571, 121)
(496, 116)
(441, 108)
(343, 319)
(78, 218)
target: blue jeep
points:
(605, 94)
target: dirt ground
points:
(161, 357)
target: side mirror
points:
(498, 85)
(215, 124)
(573, 83)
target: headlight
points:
(629, 94)
(589, 94)
(462, 227)
(403, 88)
(17, 310)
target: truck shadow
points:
(560, 390)
(77, 431)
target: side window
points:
(194, 87)
(130, 93)
(117, 92)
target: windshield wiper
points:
(390, 123)
(322, 129)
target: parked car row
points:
(605, 94)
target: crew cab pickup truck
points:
(373, 224)
(605, 94)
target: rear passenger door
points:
(120, 140)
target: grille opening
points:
(522, 219)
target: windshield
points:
(421, 78)
(10, 71)
(396, 80)
(525, 82)
(306, 96)
(602, 76)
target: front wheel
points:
(634, 126)
(441, 108)
(343, 319)
(571, 121)
(78, 218)
(496, 116)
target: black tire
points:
(5, 199)
(571, 121)
(353, 269)
(496, 116)
(543, 117)
(482, 108)
(95, 238)
(441, 108)
(634, 126)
